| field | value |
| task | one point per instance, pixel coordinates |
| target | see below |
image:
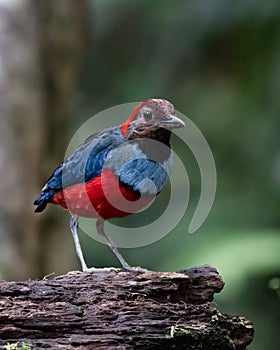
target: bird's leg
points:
(100, 230)
(74, 224)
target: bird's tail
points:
(42, 200)
(40, 206)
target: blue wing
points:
(83, 165)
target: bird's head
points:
(152, 114)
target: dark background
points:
(218, 62)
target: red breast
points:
(103, 196)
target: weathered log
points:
(114, 309)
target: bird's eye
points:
(148, 115)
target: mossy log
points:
(115, 309)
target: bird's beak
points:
(172, 122)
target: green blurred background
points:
(219, 63)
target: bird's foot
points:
(115, 269)
(100, 269)
(136, 269)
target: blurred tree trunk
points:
(20, 136)
(42, 45)
(64, 38)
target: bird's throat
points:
(153, 141)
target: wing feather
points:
(83, 165)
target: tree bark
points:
(114, 309)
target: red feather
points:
(126, 124)
(101, 196)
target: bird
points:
(115, 172)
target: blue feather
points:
(136, 173)
(84, 164)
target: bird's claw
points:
(110, 269)
(136, 269)
(100, 269)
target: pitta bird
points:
(115, 172)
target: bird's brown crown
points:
(154, 113)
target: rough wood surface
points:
(121, 310)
